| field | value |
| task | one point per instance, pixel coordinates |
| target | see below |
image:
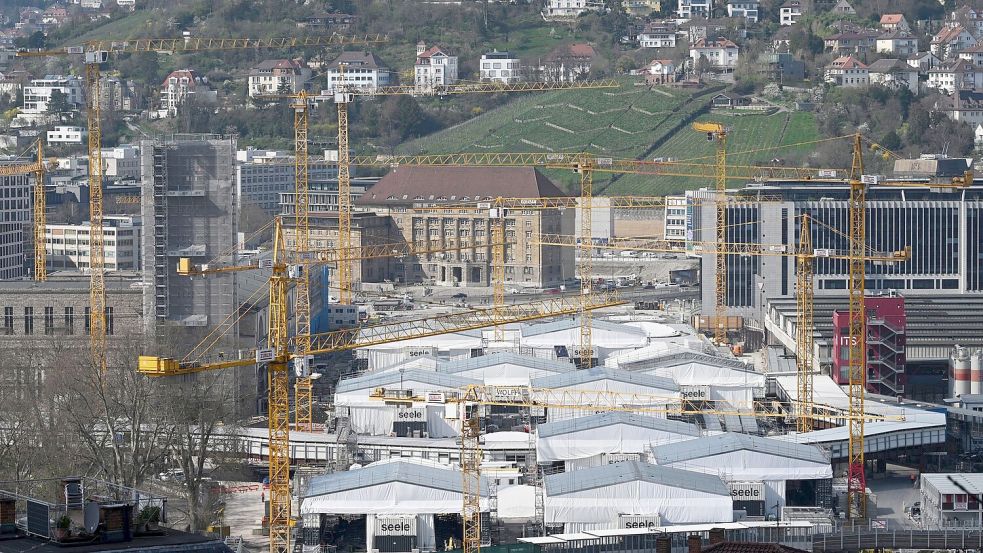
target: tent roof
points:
(720, 444)
(382, 379)
(401, 471)
(538, 329)
(463, 365)
(602, 420)
(630, 471)
(595, 374)
(677, 357)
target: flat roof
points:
(628, 471)
(955, 483)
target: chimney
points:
(717, 536)
(694, 543)
(663, 544)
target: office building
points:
(16, 223)
(262, 176)
(68, 245)
(404, 192)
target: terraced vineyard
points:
(634, 121)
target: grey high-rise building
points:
(190, 210)
(16, 223)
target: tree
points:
(34, 41)
(58, 103)
(918, 122)
(891, 140)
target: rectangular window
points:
(69, 320)
(28, 320)
(49, 321)
(8, 320)
(88, 320)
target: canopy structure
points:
(561, 338)
(457, 345)
(399, 487)
(505, 369)
(423, 363)
(655, 330)
(595, 498)
(593, 440)
(726, 379)
(608, 380)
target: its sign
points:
(395, 526)
(827, 174)
(638, 521)
(747, 491)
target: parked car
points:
(460, 296)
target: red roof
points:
(948, 34)
(848, 62)
(190, 74)
(719, 42)
(434, 50)
(891, 18)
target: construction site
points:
(469, 357)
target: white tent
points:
(458, 345)
(505, 369)
(737, 385)
(744, 458)
(655, 330)
(423, 363)
(595, 498)
(607, 380)
(398, 488)
(597, 439)
(561, 338)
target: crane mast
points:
(302, 241)
(97, 251)
(856, 479)
(804, 326)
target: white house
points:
(790, 12)
(180, 86)
(720, 52)
(955, 75)
(966, 106)
(923, 61)
(748, 9)
(661, 72)
(658, 34)
(978, 135)
(433, 67)
(895, 22)
(362, 70)
(847, 71)
(38, 93)
(844, 8)
(971, 19)
(688, 9)
(893, 73)
(948, 42)
(973, 54)
(64, 134)
(272, 76)
(500, 66)
(897, 42)
(564, 9)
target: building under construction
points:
(189, 210)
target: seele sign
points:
(638, 521)
(395, 525)
(411, 414)
(747, 491)
(695, 393)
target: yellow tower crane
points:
(278, 353)
(717, 132)
(38, 168)
(95, 53)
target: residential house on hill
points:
(895, 22)
(566, 9)
(965, 106)
(847, 71)
(688, 9)
(790, 12)
(973, 54)
(362, 70)
(498, 66)
(568, 63)
(720, 52)
(923, 61)
(968, 18)
(748, 9)
(658, 34)
(893, 73)
(851, 42)
(781, 39)
(948, 42)
(181, 86)
(433, 67)
(951, 76)
(898, 43)
(337, 21)
(780, 67)
(276, 76)
(661, 72)
(843, 7)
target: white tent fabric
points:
(425, 532)
(362, 397)
(736, 387)
(600, 504)
(423, 363)
(517, 503)
(505, 374)
(654, 329)
(372, 420)
(447, 346)
(389, 498)
(615, 438)
(755, 466)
